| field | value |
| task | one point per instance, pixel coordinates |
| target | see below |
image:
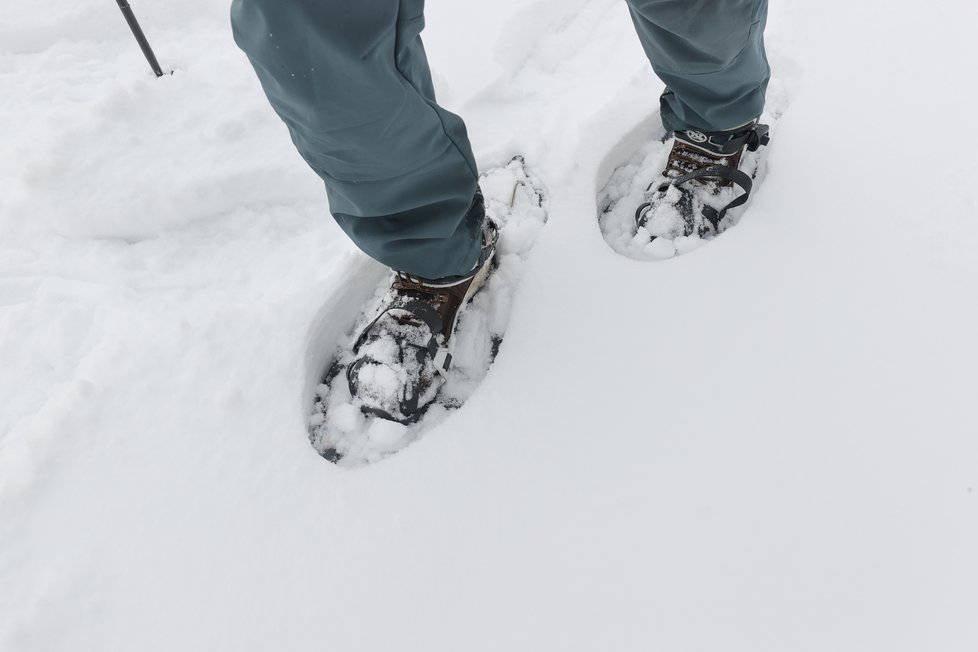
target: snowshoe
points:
(428, 344)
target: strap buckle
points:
(442, 360)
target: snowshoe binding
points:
(701, 182)
(402, 356)
(427, 344)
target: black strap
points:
(416, 308)
(726, 173)
(408, 404)
(431, 318)
(726, 143)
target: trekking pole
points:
(140, 37)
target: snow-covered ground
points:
(767, 444)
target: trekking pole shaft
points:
(140, 37)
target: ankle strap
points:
(725, 143)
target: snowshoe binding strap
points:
(727, 143)
(742, 179)
(441, 358)
(408, 405)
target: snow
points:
(768, 443)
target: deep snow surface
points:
(767, 444)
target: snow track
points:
(765, 445)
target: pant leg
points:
(710, 54)
(350, 80)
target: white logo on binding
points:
(697, 137)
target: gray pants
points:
(351, 81)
